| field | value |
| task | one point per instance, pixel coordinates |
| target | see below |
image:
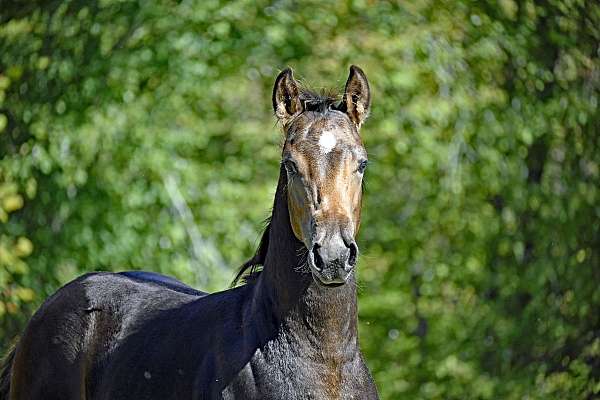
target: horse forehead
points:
(326, 156)
(327, 136)
(328, 131)
(324, 145)
(326, 166)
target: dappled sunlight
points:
(140, 135)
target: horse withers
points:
(288, 332)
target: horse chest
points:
(280, 372)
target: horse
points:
(286, 329)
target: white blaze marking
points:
(327, 141)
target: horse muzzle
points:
(332, 263)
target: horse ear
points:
(357, 96)
(286, 96)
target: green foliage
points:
(140, 135)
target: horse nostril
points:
(319, 263)
(353, 255)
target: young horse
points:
(290, 332)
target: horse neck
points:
(292, 300)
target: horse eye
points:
(362, 166)
(290, 167)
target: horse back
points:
(72, 338)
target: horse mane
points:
(320, 102)
(5, 372)
(251, 269)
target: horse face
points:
(324, 160)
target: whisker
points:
(302, 265)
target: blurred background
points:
(140, 135)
